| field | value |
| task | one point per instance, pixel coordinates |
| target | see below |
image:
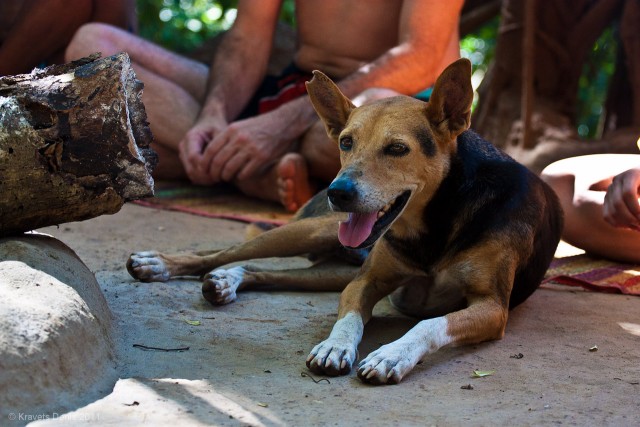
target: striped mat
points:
(594, 274)
(219, 201)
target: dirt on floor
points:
(244, 363)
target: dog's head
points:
(394, 152)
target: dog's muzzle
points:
(343, 194)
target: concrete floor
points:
(245, 362)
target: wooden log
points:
(74, 143)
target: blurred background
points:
(184, 25)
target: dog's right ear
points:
(449, 108)
(330, 104)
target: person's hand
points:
(245, 148)
(621, 207)
(192, 146)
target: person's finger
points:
(615, 210)
(630, 195)
(219, 161)
(233, 165)
(190, 153)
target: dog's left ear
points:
(330, 104)
(449, 108)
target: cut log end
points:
(74, 143)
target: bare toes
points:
(294, 188)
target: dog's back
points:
(523, 199)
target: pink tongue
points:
(356, 229)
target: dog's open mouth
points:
(361, 230)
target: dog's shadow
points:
(384, 329)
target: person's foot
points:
(294, 188)
(287, 182)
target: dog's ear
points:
(449, 108)
(330, 104)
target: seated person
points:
(599, 194)
(208, 122)
(36, 32)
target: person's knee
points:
(90, 38)
(557, 176)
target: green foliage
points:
(183, 25)
(479, 48)
(594, 83)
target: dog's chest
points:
(429, 295)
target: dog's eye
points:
(346, 143)
(396, 149)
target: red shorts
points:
(277, 90)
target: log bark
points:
(74, 143)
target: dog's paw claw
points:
(331, 358)
(219, 286)
(148, 266)
(383, 367)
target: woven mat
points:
(219, 201)
(594, 274)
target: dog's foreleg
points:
(484, 319)
(153, 266)
(220, 286)
(337, 354)
(309, 235)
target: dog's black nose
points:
(342, 193)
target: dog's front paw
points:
(387, 365)
(148, 266)
(219, 286)
(332, 357)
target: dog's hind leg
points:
(310, 235)
(220, 286)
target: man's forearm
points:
(298, 115)
(235, 74)
(241, 61)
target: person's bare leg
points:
(174, 86)
(190, 75)
(581, 183)
(169, 166)
(40, 30)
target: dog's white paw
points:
(148, 266)
(219, 286)
(387, 365)
(332, 357)
(337, 354)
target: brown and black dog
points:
(454, 230)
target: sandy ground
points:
(245, 361)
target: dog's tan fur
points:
(392, 148)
